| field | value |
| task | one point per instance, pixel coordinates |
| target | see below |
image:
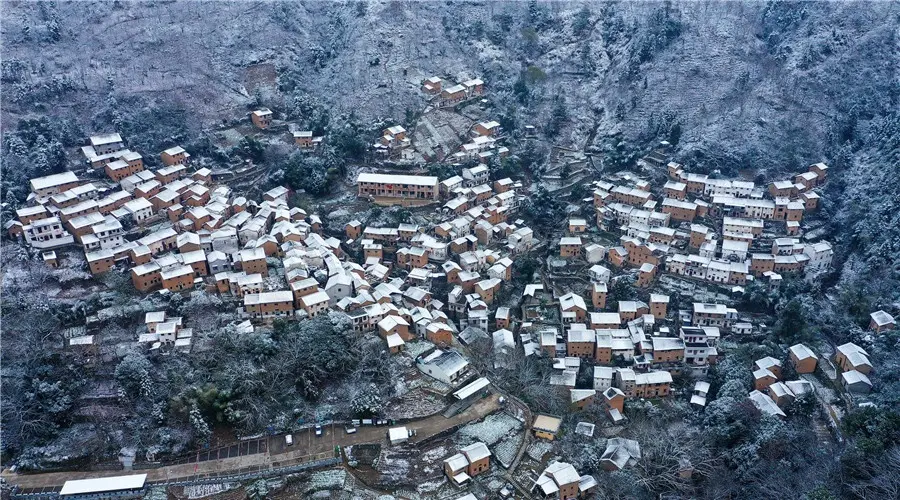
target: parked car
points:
(289, 440)
(350, 429)
(318, 430)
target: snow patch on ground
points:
(538, 449)
(430, 486)
(205, 490)
(414, 349)
(505, 451)
(414, 404)
(435, 454)
(332, 479)
(490, 430)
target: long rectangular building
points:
(418, 187)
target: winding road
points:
(307, 447)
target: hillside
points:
(752, 90)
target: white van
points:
(289, 440)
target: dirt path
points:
(306, 446)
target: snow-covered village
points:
(502, 288)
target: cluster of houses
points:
(186, 232)
(483, 144)
(448, 94)
(558, 480)
(635, 336)
(303, 139)
(461, 192)
(392, 140)
(480, 240)
(96, 212)
(771, 394)
(177, 230)
(470, 249)
(162, 330)
(756, 233)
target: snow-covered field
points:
(490, 430)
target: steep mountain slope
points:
(744, 81)
(752, 89)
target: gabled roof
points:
(457, 462)
(313, 298)
(765, 404)
(449, 362)
(763, 373)
(802, 352)
(571, 300)
(476, 451)
(882, 318)
(577, 395)
(855, 377)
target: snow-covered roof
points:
(394, 340)
(854, 353)
(155, 317)
(767, 362)
(571, 300)
(398, 434)
(457, 462)
(99, 140)
(563, 473)
(854, 377)
(882, 318)
(587, 482)
(415, 180)
(176, 272)
(547, 423)
(765, 404)
(82, 340)
(581, 394)
(656, 377)
(53, 180)
(390, 322)
(802, 352)
(472, 388)
(667, 344)
(700, 307)
(103, 484)
(311, 299)
(779, 390)
(585, 429)
(271, 297)
(449, 362)
(503, 338)
(621, 452)
(603, 372)
(476, 451)
(581, 336)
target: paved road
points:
(276, 455)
